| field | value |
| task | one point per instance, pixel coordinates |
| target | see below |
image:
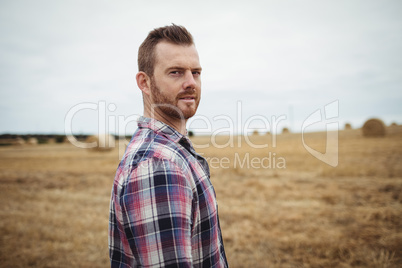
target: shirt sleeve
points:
(156, 212)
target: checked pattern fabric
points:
(163, 209)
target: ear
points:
(144, 82)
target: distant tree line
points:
(12, 139)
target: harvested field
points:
(279, 206)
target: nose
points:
(189, 81)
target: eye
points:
(196, 73)
(175, 73)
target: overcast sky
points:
(278, 60)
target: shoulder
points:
(148, 149)
(153, 146)
(158, 177)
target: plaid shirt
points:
(163, 210)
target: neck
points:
(177, 124)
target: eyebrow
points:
(182, 68)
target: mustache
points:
(187, 92)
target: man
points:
(163, 210)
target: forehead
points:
(168, 54)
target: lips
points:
(187, 98)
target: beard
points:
(169, 105)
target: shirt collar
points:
(160, 128)
(167, 131)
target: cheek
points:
(171, 89)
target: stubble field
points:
(279, 206)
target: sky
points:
(70, 66)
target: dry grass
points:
(54, 203)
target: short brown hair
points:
(146, 53)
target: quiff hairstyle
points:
(146, 53)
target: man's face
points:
(176, 83)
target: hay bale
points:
(348, 126)
(374, 128)
(285, 130)
(256, 133)
(19, 141)
(101, 142)
(32, 141)
(394, 128)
